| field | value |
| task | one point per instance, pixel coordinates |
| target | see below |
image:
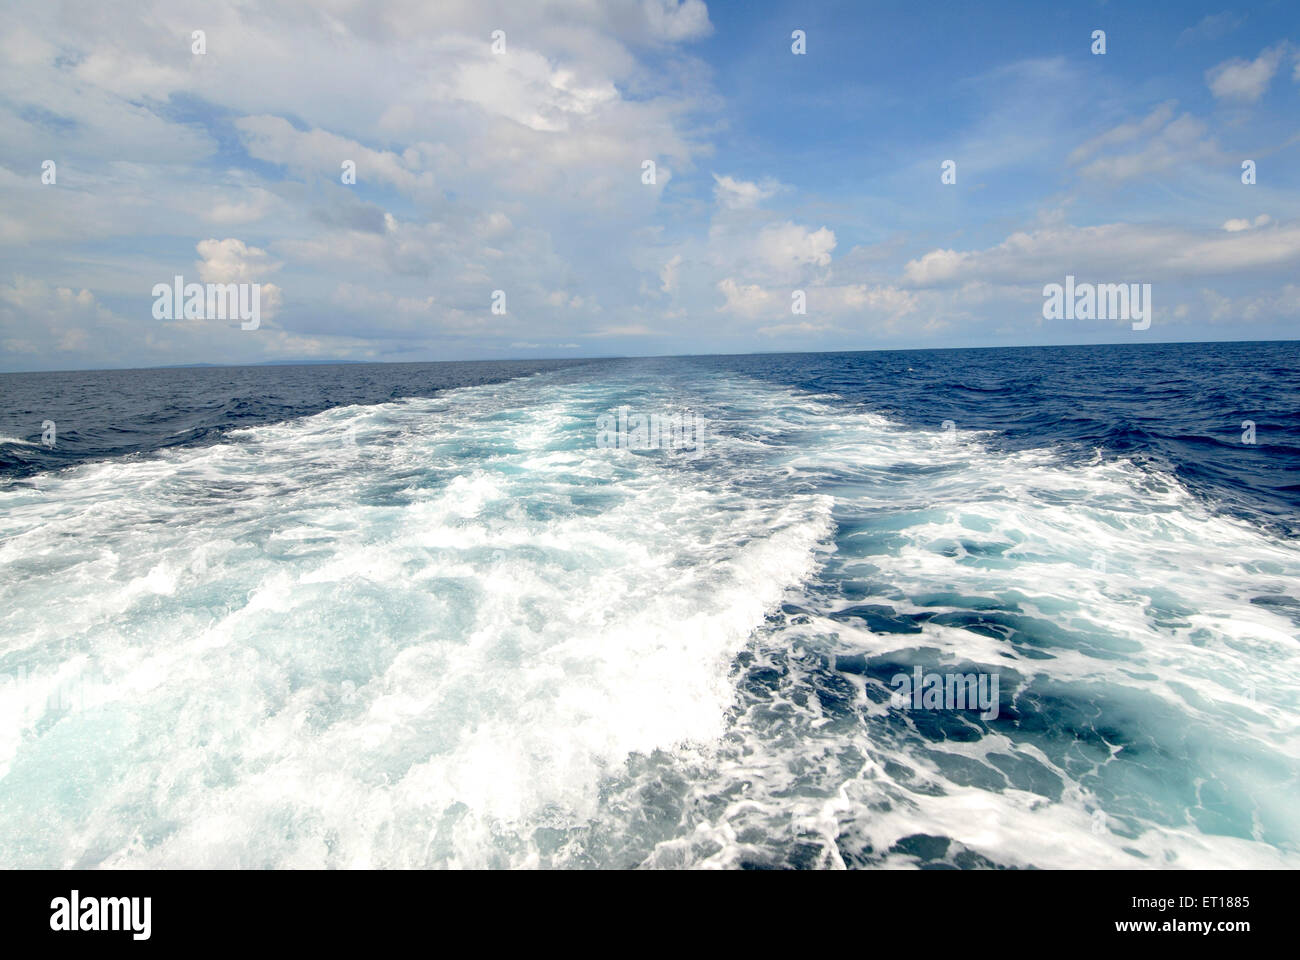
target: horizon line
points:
(649, 356)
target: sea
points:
(505, 615)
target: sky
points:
(509, 170)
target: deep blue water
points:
(113, 413)
(1176, 407)
(421, 615)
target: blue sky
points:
(521, 171)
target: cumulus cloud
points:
(668, 275)
(789, 246)
(475, 171)
(736, 194)
(1245, 80)
(1274, 306)
(39, 319)
(521, 171)
(861, 298)
(860, 301)
(677, 20)
(1239, 224)
(233, 261)
(747, 300)
(320, 153)
(1117, 250)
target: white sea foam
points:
(1135, 611)
(470, 637)
(411, 651)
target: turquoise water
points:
(452, 630)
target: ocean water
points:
(417, 616)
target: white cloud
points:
(845, 301)
(1154, 145)
(39, 319)
(741, 194)
(747, 300)
(778, 253)
(677, 20)
(320, 153)
(1275, 306)
(784, 249)
(1125, 132)
(1211, 27)
(1112, 251)
(522, 172)
(668, 275)
(624, 330)
(1245, 80)
(525, 87)
(233, 261)
(1239, 224)
(889, 301)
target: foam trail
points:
(1148, 684)
(412, 634)
(454, 632)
